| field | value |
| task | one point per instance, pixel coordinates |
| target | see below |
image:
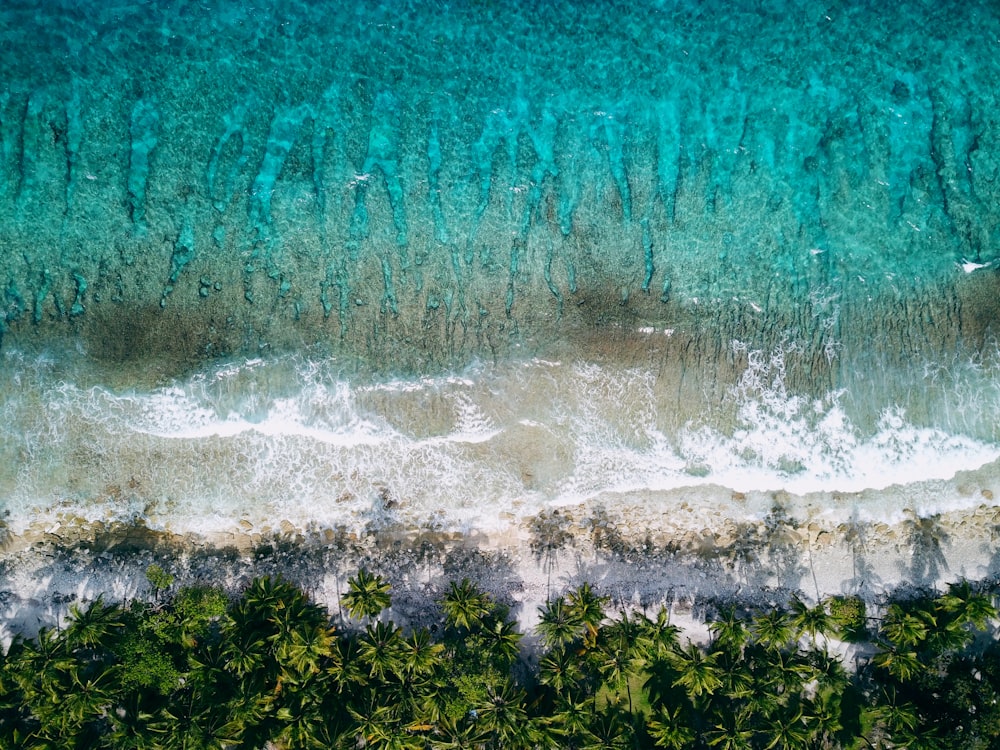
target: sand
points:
(691, 551)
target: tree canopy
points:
(199, 669)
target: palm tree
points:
(772, 630)
(790, 669)
(661, 637)
(588, 608)
(570, 720)
(730, 732)
(559, 625)
(346, 669)
(730, 632)
(199, 728)
(822, 716)
(616, 668)
(737, 680)
(419, 655)
(904, 665)
(698, 673)
(503, 642)
(904, 629)
(306, 650)
(367, 595)
(94, 627)
(88, 694)
(245, 650)
(457, 734)
(624, 648)
(381, 649)
(610, 730)
(374, 724)
(894, 715)
(953, 617)
(670, 730)
(810, 620)
(828, 670)
(968, 607)
(560, 670)
(787, 732)
(503, 715)
(465, 606)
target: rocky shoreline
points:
(715, 546)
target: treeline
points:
(199, 670)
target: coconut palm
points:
(788, 732)
(729, 632)
(670, 730)
(560, 670)
(346, 670)
(245, 649)
(618, 659)
(903, 665)
(305, 650)
(93, 627)
(419, 655)
(588, 608)
(570, 721)
(659, 636)
(559, 624)
(828, 670)
(503, 641)
(88, 693)
(374, 724)
(367, 595)
(812, 621)
(457, 734)
(892, 714)
(968, 607)
(773, 630)
(737, 681)
(465, 606)
(906, 629)
(624, 648)
(381, 649)
(503, 715)
(822, 717)
(731, 731)
(611, 730)
(698, 673)
(196, 728)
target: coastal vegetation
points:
(197, 668)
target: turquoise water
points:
(639, 245)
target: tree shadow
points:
(638, 573)
(863, 575)
(549, 533)
(925, 536)
(770, 553)
(993, 547)
(784, 547)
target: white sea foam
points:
(269, 440)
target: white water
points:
(293, 439)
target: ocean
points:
(451, 265)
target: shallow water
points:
(447, 264)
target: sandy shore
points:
(689, 551)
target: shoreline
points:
(688, 556)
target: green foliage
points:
(849, 617)
(367, 595)
(159, 578)
(268, 669)
(465, 606)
